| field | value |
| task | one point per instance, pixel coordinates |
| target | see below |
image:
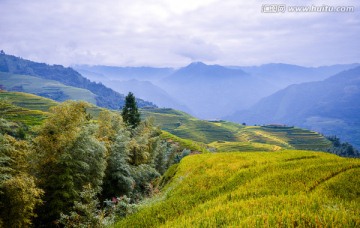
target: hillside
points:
(330, 106)
(279, 189)
(220, 135)
(97, 73)
(235, 137)
(105, 97)
(45, 88)
(25, 108)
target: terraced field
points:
(227, 136)
(28, 101)
(260, 189)
(185, 126)
(18, 114)
(46, 88)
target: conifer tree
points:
(130, 112)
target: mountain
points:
(44, 87)
(330, 106)
(147, 91)
(105, 97)
(282, 75)
(207, 91)
(212, 91)
(123, 73)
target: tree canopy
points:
(130, 112)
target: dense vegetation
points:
(60, 171)
(105, 97)
(277, 189)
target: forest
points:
(73, 170)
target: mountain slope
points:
(330, 106)
(45, 88)
(212, 91)
(123, 73)
(105, 97)
(278, 189)
(227, 136)
(283, 75)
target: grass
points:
(43, 87)
(243, 146)
(287, 189)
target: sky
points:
(174, 33)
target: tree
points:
(118, 180)
(85, 212)
(69, 157)
(19, 194)
(130, 112)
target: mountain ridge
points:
(330, 106)
(105, 97)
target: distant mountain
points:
(146, 90)
(212, 91)
(207, 91)
(123, 73)
(105, 97)
(282, 75)
(331, 106)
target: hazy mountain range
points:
(207, 91)
(325, 99)
(331, 106)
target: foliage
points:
(118, 180)
(19, 194)
(143, 176)
(130, 112)
(287, 188)
(86, 212)
(342, 149)
(109, 124)
(69, 157)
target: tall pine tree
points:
(130, 112)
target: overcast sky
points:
(177, 32)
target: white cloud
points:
(173, 33)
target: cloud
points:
(174, 33)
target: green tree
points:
(118, 180)
(19, 194)
(109, 124)
(130, 112)
(85, 212)
(69, 157)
